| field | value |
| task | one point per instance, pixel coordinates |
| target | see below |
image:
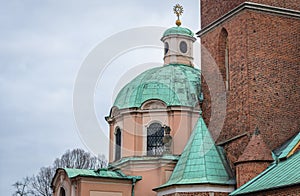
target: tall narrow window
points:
(224, 57)
(118, 144)
(62, 192)
(155, 134)
(227, 63)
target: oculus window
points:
(183, 46)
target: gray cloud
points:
(43, 44)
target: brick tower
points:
(254, 160)
(256, 46)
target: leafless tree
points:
(79, 159)
(40, 184)
(22, 187)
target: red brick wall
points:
(264, 59)
(214, 9)
(247, 171)
(274, 75)
(237, 112)
(290, 191)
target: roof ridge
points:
(204, 158)
(188, 147)
(142, 81)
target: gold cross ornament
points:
(178, 10)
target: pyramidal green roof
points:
(200, 162)
(174, 84)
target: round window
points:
(183, 46)
(166, 47)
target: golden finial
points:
(178, 10)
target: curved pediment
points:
(153, 104)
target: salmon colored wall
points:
(133, 124)
(105, 185)
(134, 129)
(153, 175)
(111, 142)
(138, 147)
(180, 132)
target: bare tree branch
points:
(22, 187)
(40, 184)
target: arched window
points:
(224, 56)
(166, 47)
(118, 144)
(155, 134)
(62, 192)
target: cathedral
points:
(231, 128)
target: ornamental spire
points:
(178, 10)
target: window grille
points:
(155, 134)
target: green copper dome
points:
(175, 85)
(178, 31)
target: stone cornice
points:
(137, 111)
(253, 7)
(143, 162)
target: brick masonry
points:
(247, 171)
(264, 67)
(212, 10)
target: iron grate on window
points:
(155, 134)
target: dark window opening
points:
(118, 144)
(166, 47)
(224, 57)
(227, 63)
(62, 192)
(155, 134)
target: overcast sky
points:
(43, 45)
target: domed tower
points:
(178, 43)
(178, 46)
(153, 116)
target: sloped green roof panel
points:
(174, 84)
(100, 173)
(289, 146)
(281, 174)
(178, 31)
(76, 172)
(200, 161)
